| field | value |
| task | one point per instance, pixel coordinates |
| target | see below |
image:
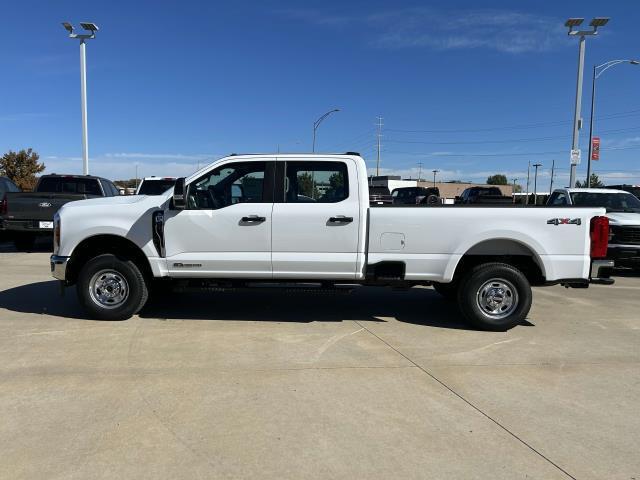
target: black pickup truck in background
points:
(26, 215)
(482, 196)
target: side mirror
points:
(179, 195)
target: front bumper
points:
(601, 271)
(624, 255)
(59, 267)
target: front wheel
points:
(495, 296)
(110, 288)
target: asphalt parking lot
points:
(376, 384)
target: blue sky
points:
(470, 88)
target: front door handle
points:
(340, 219)
(253, 219)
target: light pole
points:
(317, 123)
(434, 177)
(535, 184)
(419, 171)
(597, 71)
(92, 28)
(513, 191)
(577, 120)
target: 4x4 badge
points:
(564, 221)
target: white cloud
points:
(424, 27)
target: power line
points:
(517, 127)
(505, 154)
(515, 140)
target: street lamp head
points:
(68, 27)
(92, 27)
(573, 22)
(599, 22)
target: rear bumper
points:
(30, 226)
(601, 271)
(59, 267)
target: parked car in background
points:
(379, 196)
(632, 189)
(26, 215)
(155, 185)
(415, 195)
(6, 185)
(203, 235)
(623, 210)
(483, 196)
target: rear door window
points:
(316, 182)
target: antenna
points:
(379, 135)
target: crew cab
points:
(623, 211)
(305, 219)
(26, 215)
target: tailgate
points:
(37, 206)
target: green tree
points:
(517, 188)
(21, 167)
(595, 182)
(497, 179)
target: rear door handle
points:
(340, 219)
(253, 219)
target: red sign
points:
(595, 148)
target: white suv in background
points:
(623, 210)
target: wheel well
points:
(100, 244)
(504, 251)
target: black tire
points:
(499, 285)
(108, 271)
(24, 241)
(448, 290)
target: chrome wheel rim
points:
(497, 298)
(108, 289)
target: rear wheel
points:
(495, 296)
(110, 288)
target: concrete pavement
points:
(377, 384)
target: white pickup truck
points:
(305, 219)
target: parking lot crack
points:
(469, 403)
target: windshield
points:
(613, 202)
(155, 187)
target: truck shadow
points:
(420, 306)
(416, 306)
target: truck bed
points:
(430, 241)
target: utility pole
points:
(577, 119)
(434, 177)
(553, 167)
(535, 184)
(92, 28)
(513, 192)
(419, 171)
(379, 138)
(526, 201)
(137, 177)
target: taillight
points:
(4, 206)
(56, 234)
(599, 237)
